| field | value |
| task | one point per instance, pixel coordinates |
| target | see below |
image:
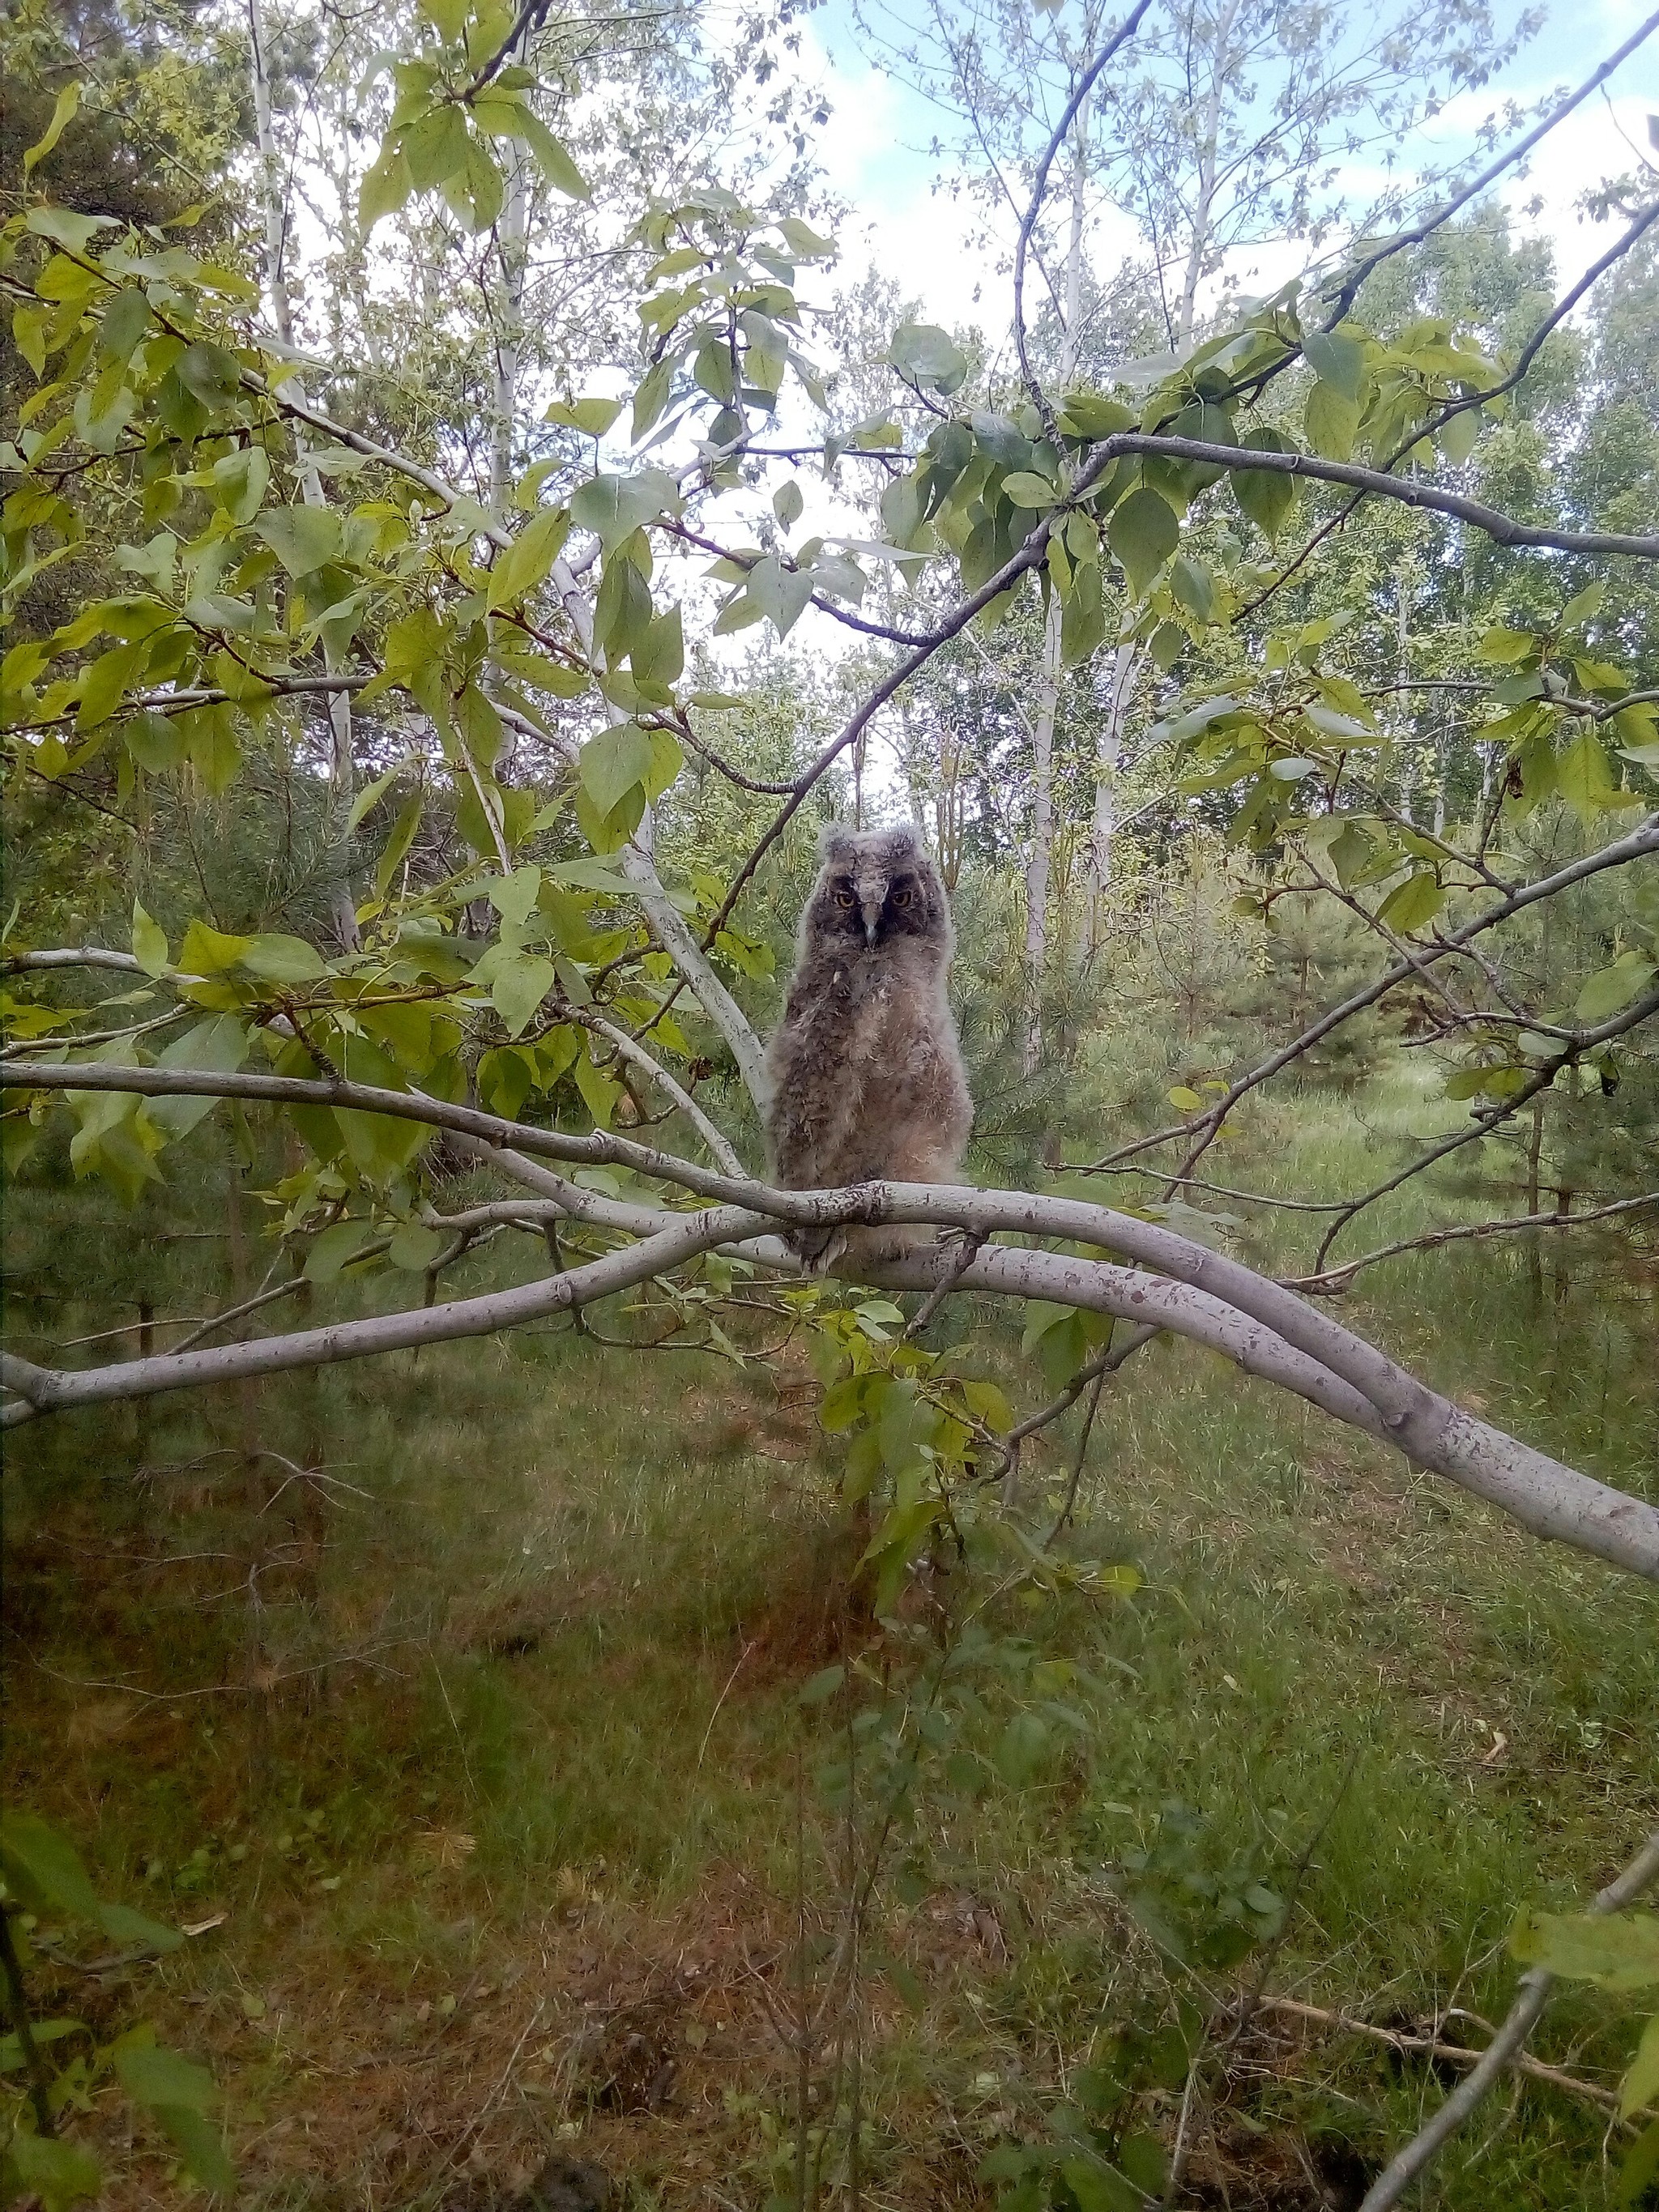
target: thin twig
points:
(1455, 2053)
(1505, 2047)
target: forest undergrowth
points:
(477, 1764)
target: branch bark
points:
(1208, 1296)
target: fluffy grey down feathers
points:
(866, 1071)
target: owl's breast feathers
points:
(868, 1072)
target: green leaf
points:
(44, 1870)
(1330, 420)
(64, 228)
(788, 503)
(1411, 904)
(555, 160)
(436, 146)
(403, 836)
(518, 986)
(200, 2147)
(1330, 724)
(1641, 2162)
(1584, 776)
(988, 1403)
(1022, 1749)
(1506, 644)
(622, 613)
(1459, 435)
(44, 2032)
(1183, 1097)
(149, 942)
(68, 100)
(239, 481)
(415, 1247)
(104, 683)
(613, 762)
(1336, 361)
(122, 1924)
(1026, 488)
(1266, 496)
(217, 1046)
(208, 951)
(1091, 415)
(1640, 2086)
(1610, 988)
(387, 187)
(279, 958)
(1098, 2189)
(1583, 604)
(303, 538)
(659, 657)
(514, 897)
(1614, 1950)
(1194, 588)
(600, 1091)
(371, 792)
(333, 1247)
(1143, 533)
(592, 417)
(527, 561)
(781, 594)
(804, 242)
(614, 507)
(1082, 615)
(820, 1687)
(60, 2174)
(928, 354)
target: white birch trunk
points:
(1039, 867)
(311, 487)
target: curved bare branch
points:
(1335, 1280)
(1636, 845)
(1312, 1354)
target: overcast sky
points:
(874, 154)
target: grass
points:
(521, 1833)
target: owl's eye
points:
(845, 898)
(905, 897)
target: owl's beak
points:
(870, 909)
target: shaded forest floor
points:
(481, 1765)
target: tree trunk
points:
(1039, 867)
(276, 229)
(1127, 664)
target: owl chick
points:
(867, 1081)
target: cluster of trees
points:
(371, 730)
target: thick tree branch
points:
(1309, 1352)
(1503, 529)
(49, 1390)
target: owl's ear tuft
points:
(836, 842)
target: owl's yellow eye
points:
(905, 897)
(845, 898)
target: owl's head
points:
(876, 888)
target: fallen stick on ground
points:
(1457, 2053)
